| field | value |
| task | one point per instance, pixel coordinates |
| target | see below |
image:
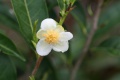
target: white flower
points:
(52, 36)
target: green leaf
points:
(102, 57)
(110, 46)
(77, 42)
(79, 15)
(7, 46)
(61, 4)
(28, 11)
(100, 61)
(9, 22)
(113, 42)
(115, 77)
(107, 50)
(32, 78)
(6, 18)
(80, 30)
(7, 68)
(63, 74)
(72, 1)
(38, 11)
(109, 18)
(23, 17)
(52, 4)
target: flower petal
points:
(48, 24)
(61, 46)
(43, 48)
(59, 28)
(65, 36)
(40, 33)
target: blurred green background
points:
(102, 61)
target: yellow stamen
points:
(51, 36)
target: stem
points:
(34, 31)
(62, 19)
(88, 42)
(37, 65)
(66, 11)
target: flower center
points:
(51, 36)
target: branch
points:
(37, 65)
(88, 42)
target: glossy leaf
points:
(38, 10)
(7, 68)
(7, 46)
(23, 17)
(28, 11)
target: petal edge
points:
(48, 23)
(61, 47)
(43, 48)
(65, 36)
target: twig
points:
(37, 65)
(88, 42)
